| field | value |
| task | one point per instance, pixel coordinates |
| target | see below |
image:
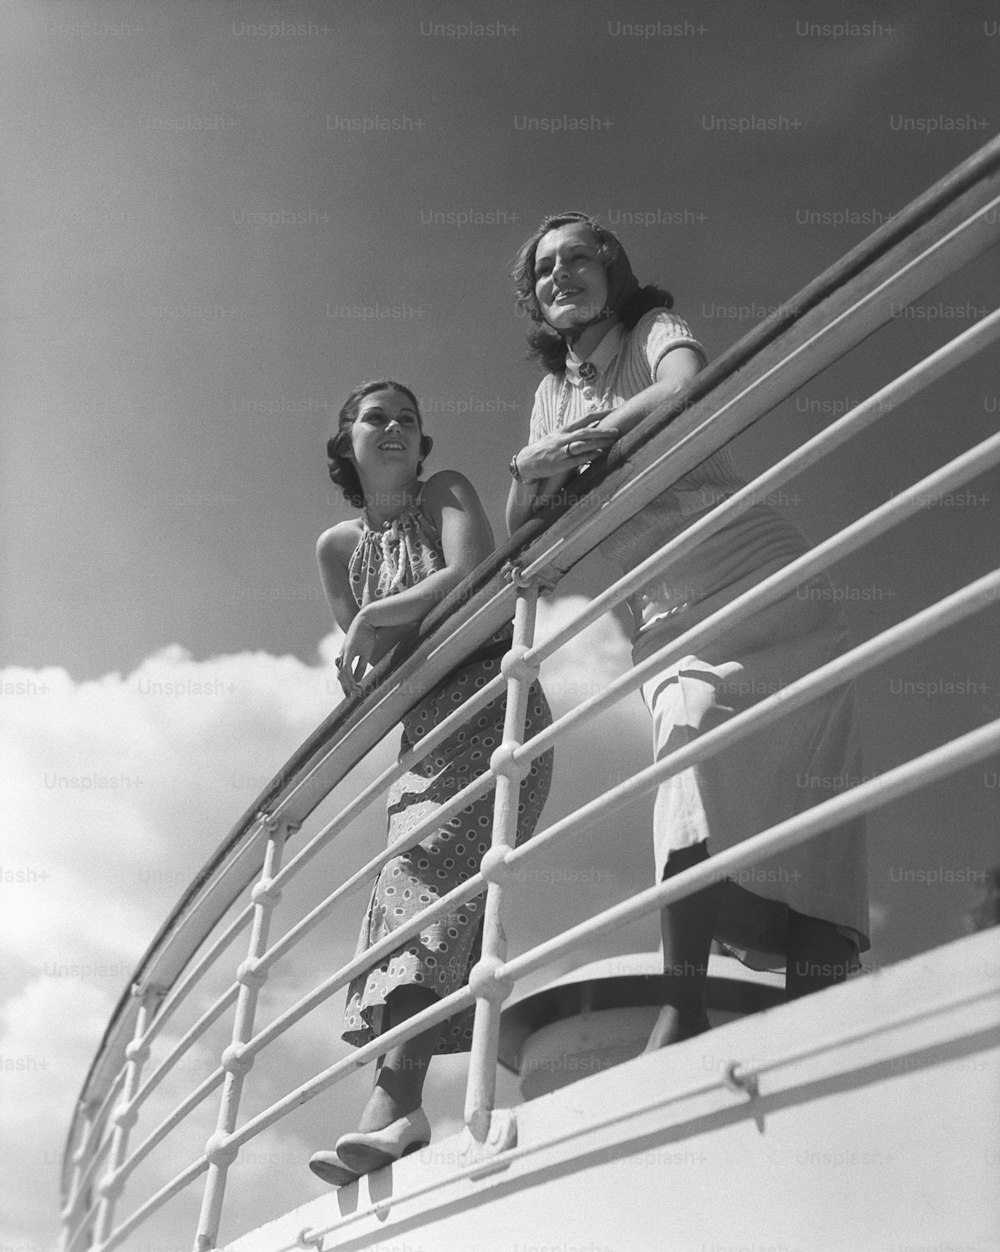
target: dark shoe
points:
(364, 1153)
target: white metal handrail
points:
(892, 784)
(819, 558)
(951, 354)
(881, 519)
(226, 999)
(820, 681)
(734, 1074)
(876, 522)
(818, 339)
(378, 788)
(172, 1120)
(383, 1044)
(915, 629)
(204, 1023)
(923, 625)
(919, 772)
(196, 971)
(947, 202)
(934, 236)
(78, 1210)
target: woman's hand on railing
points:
(356, 653)
(573, 445)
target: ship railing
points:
(952, 223)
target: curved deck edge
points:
(874, 1125)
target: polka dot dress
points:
(440, 956)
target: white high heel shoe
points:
(327, 1165)
(365, 1153)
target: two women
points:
(613, 352)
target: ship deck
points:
(863, 1117)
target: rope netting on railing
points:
(955, 221)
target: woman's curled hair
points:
(547, 344)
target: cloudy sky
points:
(220, 217)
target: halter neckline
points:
(400, 554)
(387, 525)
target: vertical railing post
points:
(73, 1200)
(234, 1059)
(124, 1116)
(491, 990)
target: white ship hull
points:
(875, 1126)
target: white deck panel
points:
(876, 1129)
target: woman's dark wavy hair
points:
(544, 343)
(341, 468)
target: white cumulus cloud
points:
(116, 791)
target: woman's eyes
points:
(546, 267)
(380, 419)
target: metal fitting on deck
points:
(516, 665)
(110, 1186)
(737, 1083)
(545, 579)
(494, 867)
(140, 990)
(125, 1115)
(249, 973)
(273, 822)
(488, 982)
(488, 1133)
(503, 762)
(235, 1059)
(220, 1150)
(265, 893)
(137, 1051)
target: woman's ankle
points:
(384, 1108)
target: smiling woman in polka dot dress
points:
(382, 573)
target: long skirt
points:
(800, 760)
(441, 956)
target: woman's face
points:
(570, 283)
(386, 432)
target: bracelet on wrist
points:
(515, 473)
